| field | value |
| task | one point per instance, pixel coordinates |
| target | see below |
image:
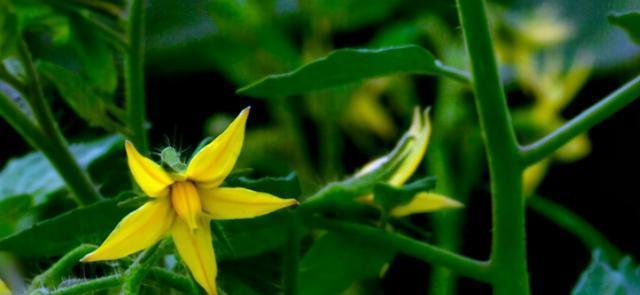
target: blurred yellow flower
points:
(183, 204)
(423, 202)
(365, 112)
(543, 73)
(4, 290)
(544, 27)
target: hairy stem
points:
(136, 273)
(606, 107)
(49, 139)
(90, 286)
(508, 252)
(134, 75)
(55, 274)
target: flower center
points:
(186, 202)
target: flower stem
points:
(460, 264)
(46, 136)
(134, 75)
(136, 273)
(169, 278)
(508, 252)
(581, 123)
(578, 226)
(54, 275)
(90, 286)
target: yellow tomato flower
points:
(4, 290)
(183, 204)
(544, 27)
(366, 113)
(423, 202)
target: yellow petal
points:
(196, 250)
(4, 290)
(211, 165)
(426, 202)
(237, 203)
(186, 202)
(151, 178)
(421, 130)
(138, 230)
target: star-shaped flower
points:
(183, 203)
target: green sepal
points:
(342, 194)
(388, 196)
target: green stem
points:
(460, 264)
(508, 252)
(134, 75)
(49, 139)
(581, 123)
(291, 256)
(136, 273)
(453, 73)
(90, 286)
(448, 224)
(578, 226)
(23, 125)
(169, 278)
(55, 274)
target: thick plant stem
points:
(581, 123)
(134, 75)
(591, 237)
(49, 138)
(462, 265)
(508, 252)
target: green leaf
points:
(13, 210)
(33, 175)
(96, 59)
(600, 278)
(335, 262)
(283, 187)
(76, 92)
(346, 66)
(235, 239)
(630, 22)
(389, 197)
(57, 235)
